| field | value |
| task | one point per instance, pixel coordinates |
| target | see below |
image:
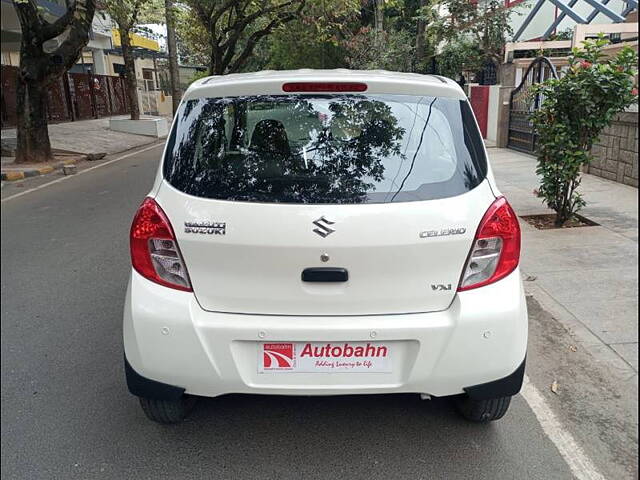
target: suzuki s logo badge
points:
(323, 227)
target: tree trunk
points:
(561, 218)
(420, 47)
(130, 74)
(379, 15)
(212, 61)
(217, 67)
(173, 55)
(33, 136)
(38, 68)
(498, 65)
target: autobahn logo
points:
(278, 356)
(320, 357)
(323, 227)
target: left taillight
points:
(496, 248)
(154, 249)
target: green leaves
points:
(458, 56)
(574, 111)
(232, 29)
(391, 50)
(127, 13)
(459, 22)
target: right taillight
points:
(154, 249)
(496, 248)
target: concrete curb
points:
(14, 175)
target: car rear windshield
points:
(334, 149)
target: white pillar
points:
(519, 73)
(99, 62)
(493, 114)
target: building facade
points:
(547, 19)
(93, 55)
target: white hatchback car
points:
(325, 233)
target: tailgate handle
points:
(325, 274)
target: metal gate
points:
(523, 103)
(72, 96)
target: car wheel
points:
(482, 411)
(167, 411)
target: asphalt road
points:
(66, 412)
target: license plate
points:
(305, 357)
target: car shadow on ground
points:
(379, 436)
(316, 413)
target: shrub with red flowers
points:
(574, 110)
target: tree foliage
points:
(574, 111)
(479, 30)
(459, 56)
(313, 40)
(235, 27)
(193, 44)
(127, 14)
(388, 50)
(405, 35)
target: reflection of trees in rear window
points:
(322, 149)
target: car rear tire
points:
(482, 411)
(167, 411)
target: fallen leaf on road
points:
(554, 387)
(531, 278)
(573, 348)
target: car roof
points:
(270, 82)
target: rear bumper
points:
(145, 387)
(477, 345)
